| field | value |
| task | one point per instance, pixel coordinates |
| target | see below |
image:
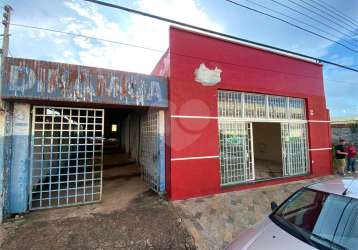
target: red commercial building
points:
(240, 117)
(215, 116)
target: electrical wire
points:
(178, 54)
(137, 12)
(351, 20)
(300, 21)
(338, 81)
(289, 23)
(330, 13)
(188, 56)
(319, 14)
(312, 18)
(262, 69)
(85, 36)
(185, 25)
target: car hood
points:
(267, 235)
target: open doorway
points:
(267, 150)
(121, 152)
(133, 153)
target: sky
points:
(78, 16)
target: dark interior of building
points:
(121, 149)
(267, 150)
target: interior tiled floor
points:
(267, 169)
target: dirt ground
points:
(147, 223)
(142, 221)
(129, 216)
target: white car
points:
(323, 215)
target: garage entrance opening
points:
(132, 153)
(82, 155)
(121, 151)
(267, 150)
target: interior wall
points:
(134, 134)
(267, 141)
(122, 137)
(121, 118)
(128, 129)
(125, 132)
(109, 121)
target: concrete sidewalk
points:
(214, 221)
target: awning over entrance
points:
(41, 80)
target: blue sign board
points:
(41, 80)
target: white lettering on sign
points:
(206, 76)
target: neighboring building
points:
(345, 128)
(218, 116)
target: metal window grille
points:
(255, 106)
(239, 105)
(149, 152)
(297, 109)
(294, 148)
(277, 107)
(66, 156)
(230, 104)
(236, 162)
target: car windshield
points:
(325, 221)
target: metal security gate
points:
(235, 138)
(237, 111)
(294, 149)
(66, 156)
(152, 150)
(236, 154)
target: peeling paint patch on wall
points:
(20, 168)
(32, 79)
(206, 76)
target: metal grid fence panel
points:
(66, 156)
(149, 149)
(236, 163)
(294, 149)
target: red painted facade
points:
(246, 69)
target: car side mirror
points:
(273, 205)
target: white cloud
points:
(341, 87)
(67, 54)
(83, 43)
(137, 30)
(345, 60)
(93, 20)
